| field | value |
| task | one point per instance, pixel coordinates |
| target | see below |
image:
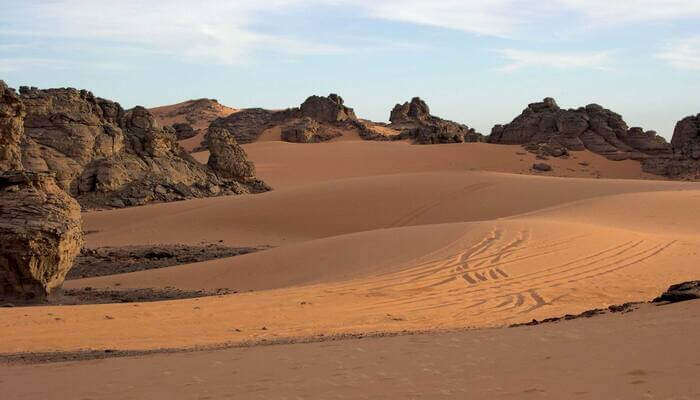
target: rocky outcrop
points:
(40, 234)
(592, 127)
(541, 167)
(414, 121)
(684, 162)
(686, 137)
(183, 131)
(325, 112)
(105, 156)
(226, 157)
(247, 125)
(307, 130)
(681, 292)
(329, 109)
(12, 114)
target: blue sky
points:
(476, 62)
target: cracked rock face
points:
(684, 163)
(106, 156)
(414, 121)
(247, 125)
(12, 114)
(40, 234)
(307, 130)
(227, 157)
(592, 127)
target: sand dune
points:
(332, 208)
(384, 237)
(284, 164)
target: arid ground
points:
(411, 248)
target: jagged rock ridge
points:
(414, 121)
(106, 156)
(316, 119)
(592, 127)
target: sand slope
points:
(644, 354)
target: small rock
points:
(543, 167)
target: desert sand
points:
(389, 238)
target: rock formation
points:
(105, 156)
(40, 234)
(592, 127)
(681, 292)
(415, 122)
(329, 109)
(308, 130)
(226, 157)
(325, 112)
(684, 162)
(40, 224)
(12, 114)
(183, 131)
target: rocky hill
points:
(317, 119)
(191, 118)
(592, 127)
(106, 156)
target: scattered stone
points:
(103, 261)
(543, 167)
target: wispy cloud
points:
(507, 17)
(209, 31)
(683, 53)
(517, 59)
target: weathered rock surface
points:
(414, 121)
(325, 112)
(247, 125)
(40, 234)
(684, 162)
(226, 157)
(329, 109)
(12, 114)
(308, 130)
(592, 127)
(542, 167)
(680, 292)
(105, 156)
(184, 131)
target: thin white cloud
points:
(518, 59)
(683, 54)
(205, 31)
(506, 17)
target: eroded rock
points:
(307, 130)
(684, 162)
(105, 156)
(40, 234)
(414, 121)
(592, 127)
(12, 114)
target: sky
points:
(475, 62)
